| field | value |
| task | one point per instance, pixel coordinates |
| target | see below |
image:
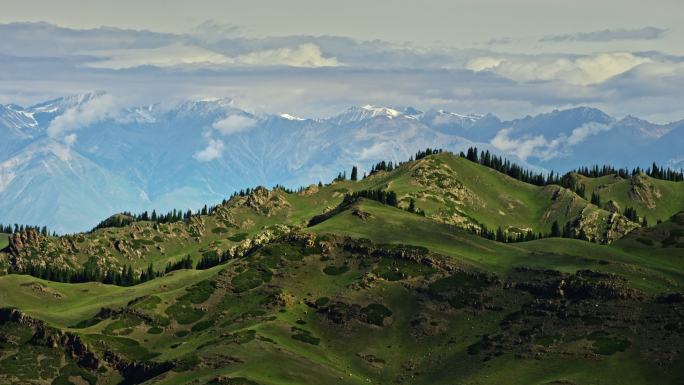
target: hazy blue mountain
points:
(197, 152)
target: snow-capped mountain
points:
(95, 157)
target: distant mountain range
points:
(69, 162)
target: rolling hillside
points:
(655, 199)
(313, 287)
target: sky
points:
(315, 58)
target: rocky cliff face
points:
(644, 192)
(74, 347)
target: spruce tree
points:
(354, 173)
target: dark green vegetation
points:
(391, 284)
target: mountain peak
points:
(366, 112)
(287, 116)
(59, 105)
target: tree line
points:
(515, 171)
(125, 218)
(16, 228)
(385, 197)
(126, 276)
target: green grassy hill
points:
(652, 198)
(454, 190)
(3, 241)
(368, 293)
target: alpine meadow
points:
(164, 220)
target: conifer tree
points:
(354, 173)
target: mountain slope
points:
(454, 190)
(182, 156)
(655, 199)
(371, 294)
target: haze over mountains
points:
(95, 155)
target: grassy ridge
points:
(653, 198)
(373, 294)
(4, 241)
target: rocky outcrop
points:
(73, 346)
(439, 183)
(416, 254)
(53, 338)
(584, 284)
(641, 190)
(265, 202)
(21, 243)
(136, 372)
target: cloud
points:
(214, 150)
(579, 134)
(168, 56)
(483, 63)
(96, 109)
(70, 139)
(500, 41)
(581, 71)
(524, 147)
(180, 54)
(539, 146)
(646, 33)
(235, 124)
(306, 55)
(46, 62)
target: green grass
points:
(667, 197)
(4, 240)
(410, 317)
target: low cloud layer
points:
(234, 124)
(315, 76)
(581, 71)
(646, 33)
(213, 151)
(541, 147)
(182, 55)
(98, 108)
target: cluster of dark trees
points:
(125, 218)
(184, 263)
(385, 197)
(501, 236)
(92, 273)
(16, 228)
(212, 259)
(631, 214)
(515, 171)
(426, 152)
(386, 166)
(654, 171)
(383, 166)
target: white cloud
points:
(579, 134)
(525, 147)
(214, 150)
(234, 124)
(539, 146)
(582, 71)
(306, 55)
(483, 63)
(167, 56)
(180, 54)
(70, 139)
(92, 111)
